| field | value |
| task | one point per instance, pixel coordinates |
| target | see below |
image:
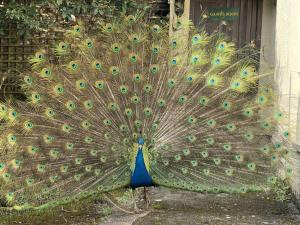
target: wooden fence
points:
(14, 53)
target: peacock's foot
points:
(136, 208)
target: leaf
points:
(95, 11)
(59, 2)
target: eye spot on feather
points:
(265, 149)
(28, 80)
(2, 167)
(88, 104)
(239, 158)
(174, 44)
(174, 62)
(272, 180)
(74, 66)
(89, 43)
(206, 172)
(97, 65)
(248, 136)
(54, 153)
(11, 139)
(49, 112)
(248, 112)
(204, 154)
(77, 29)
(147, 88)
(35, 97)
(32, 150)
(41, 168)
(135, 39)
(148, 111)
(116, 48)
(191, 120)
(191, 138)
(28, 125)
(217, 161)
(135, 99)
(182, 99)
(210, 141)
(133, 57)
(266, 125)
(99, 84)
(262, 100)
(231, 127)
(81, 84)
(66, 128)
(221, 46)
(154, 126)
(9, 196)
(161, 103)
(155, 50)
(46, 73)
(286, 134)
(156, 29)
(48, 139)
(226, 105)
(171, 83)
(12, 114)
(278, 116)
(196, 39)
(108, 27)
(137, 77)
(186, 152)
(251, 166)
(69, 146)
(58, 89)
(128, 112)
(177, 157)
(227, 147)
(154, 69)
(203, 100)
(130, 19)
(113, 106)
(123, 128)
(278, 146)
(114, 70)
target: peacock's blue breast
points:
(140, 176)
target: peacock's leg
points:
(146, 198)
(136, 209)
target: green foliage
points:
(39, 15)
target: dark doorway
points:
(244, 30)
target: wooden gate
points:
(244, 30)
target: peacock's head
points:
(141, 141)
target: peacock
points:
(134, 106)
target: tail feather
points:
(198, 106)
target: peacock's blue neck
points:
(140, 176)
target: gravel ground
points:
(170, 207)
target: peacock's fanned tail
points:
(207, 125)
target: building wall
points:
(287, 57)
(287, 76)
